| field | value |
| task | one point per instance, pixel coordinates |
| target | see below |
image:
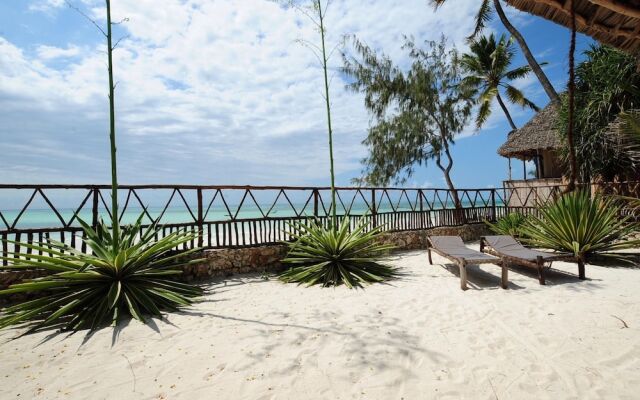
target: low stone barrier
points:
(227, 262)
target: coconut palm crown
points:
(488, 65)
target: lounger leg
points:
(429, 253)
(541, 277)
(463, 275)
(581, 273)
(505, 276)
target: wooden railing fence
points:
(245, 216)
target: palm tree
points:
(485, 13)
(488, 71)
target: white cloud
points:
(209, 91)
(53, 52)
(46, 5)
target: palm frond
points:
(516, 96)
(483, 17)
(518, 73)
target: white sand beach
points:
(419, 337)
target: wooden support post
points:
(316, 200)
(581, 273)
(200, 221)
(505, 275)
(421, 195)
(540, 266)
(494, 216)
(374, 212)
(463, 275)
(94, 208)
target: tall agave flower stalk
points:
(337, 255)
(129, 271)
(115, 222)
(334, 217)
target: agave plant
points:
(510, 224)
(332, 257)
(131, 277)
(580, 224)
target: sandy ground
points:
(420, 337)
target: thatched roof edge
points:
(539, 134)
(612, 22)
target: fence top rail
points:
(504, 189)
(224, 187)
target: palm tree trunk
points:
(506, 112)
(544, 81)
(115, 220)
(573, 174)
(334, 216)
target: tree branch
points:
(77, 9)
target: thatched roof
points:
(540, 133)
(612, 22)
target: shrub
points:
(131, 276)
(580, 224)
(332, 257)
(510, 224)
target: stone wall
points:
(226, 262)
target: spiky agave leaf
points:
(332, 257)
(580, 224)
(134, 276)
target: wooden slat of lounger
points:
(537, 263)
(462, 262)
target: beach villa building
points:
(538, 141)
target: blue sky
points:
(217, 92)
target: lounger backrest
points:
(507, 245)
(454, 246)
(503, 241)
(446, 242)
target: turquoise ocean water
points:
(46, 218)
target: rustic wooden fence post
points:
(316, 198)
(200, 221)
(494, 216)
(420, 195)
(374, 212)
(94, 208)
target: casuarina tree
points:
(417, 112)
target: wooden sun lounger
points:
(453, 248)
(512, 252)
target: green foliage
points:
(580, 224)
(607, 83)
(510, 224)
(417, 112)
(332, 257)
(488, 68)
(131, 277)
(483, 17)
(626, 139)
